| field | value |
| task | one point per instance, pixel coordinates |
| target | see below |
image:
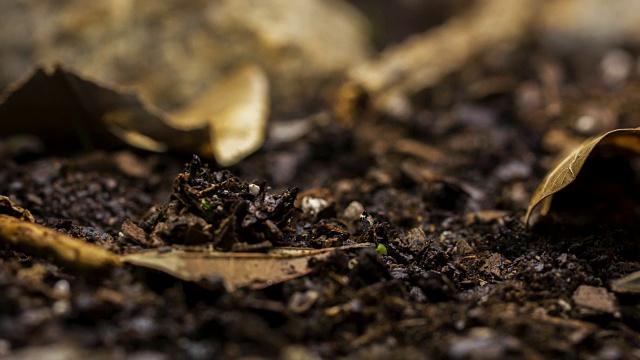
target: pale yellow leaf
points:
(235, 110)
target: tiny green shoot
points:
(381, 249)
(205, 204)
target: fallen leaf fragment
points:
(228, 121)
(253, 270)
(69, 112)
(616, 143)
(37, 240)
(485, 216)
(235, 111)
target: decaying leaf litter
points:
(445, 191)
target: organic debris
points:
(593, 299)
(228, 121)
(605, 191)
(170, 53)
(235, 111)
(37, 240)
(442, 188)
(424, 60)
(9, 208)
(222, 211)
(235, 270)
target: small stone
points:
(598, 299)
(353, 211)
(616, 66)
(5, 347)
(312, 205)
(417, 239)
(483, 343)
(61, 307)
(513, 170)
(254, 189)
(585, 123)
(302, 301)
(564, 305)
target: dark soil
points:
(444, 191)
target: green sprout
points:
(205, 204)
(381, 249)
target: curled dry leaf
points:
(612, 146)
(235, 111)
(255, 270)
(228, 121)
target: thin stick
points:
(423, 60)
(37, 240)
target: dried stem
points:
(425, 59)
(34, 239)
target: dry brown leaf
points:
(67, 111)
(227, 122)
(254, 270)
(568, 168)
(235, 111)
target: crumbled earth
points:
(444, 191)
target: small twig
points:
(425, 59)
(37, 240)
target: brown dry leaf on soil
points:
(613, 148)
(228, 121)
(254, 270)
(236, 270)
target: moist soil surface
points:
(458, 275)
